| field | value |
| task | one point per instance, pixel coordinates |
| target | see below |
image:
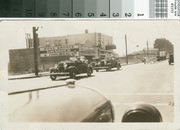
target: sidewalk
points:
(130, 63)
(26, 76)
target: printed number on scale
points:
(128, 14)
(90, 14)
(29, 13)
(78, 14)
(103, 15)
(41, 14)
(115, 14)
(67, 14)
(52, 14)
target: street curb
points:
(131, 63)
(29, 77)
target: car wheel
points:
(89, 71)
(53, 77)
(72, 74)
(118, 67)
(109, 68)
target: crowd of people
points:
(149, 60)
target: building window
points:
(66, 41)
(102, 41)
(59, 42)
(47, 43)
(56, 42)
(99, 41)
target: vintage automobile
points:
(161, 58)
(106, 64)
(70, 68)
(63, 103)
(94, 62)
(71, 103)
(171, 59)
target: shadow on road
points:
(171, 64)
(109, 70)
(78, 77)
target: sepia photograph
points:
(75, 71)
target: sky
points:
(141, 6)
(138, 32)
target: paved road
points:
(152, 83)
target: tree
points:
(163, 44)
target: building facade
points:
(52, 50)
(88, 39)
(87, 44)
(22, 61)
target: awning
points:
(110, 46)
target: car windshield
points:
(73, 59)
(82, 59)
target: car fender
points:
(90, 67)
(109, 64)
(119, 64)
(73, 68)
(53, 68)
(142, 112)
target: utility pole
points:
(35, 42)
(147, 49)
(126, 49)
(80, 49)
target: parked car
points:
(72, 103)
(107, 64)
(94, 62)
(70, 68)
(161, 58)
(171, 59)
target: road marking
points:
(131, 94)
(155, 104)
